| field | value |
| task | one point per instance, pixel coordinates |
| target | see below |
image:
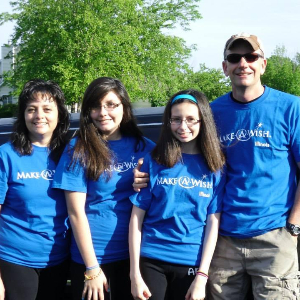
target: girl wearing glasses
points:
(174, 222)
(95, 172)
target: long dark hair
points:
(20, 136)
(168, 149)
(91, 149)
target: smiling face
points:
(244, 75)
(186, 134)
(41, 118)
(108, 121)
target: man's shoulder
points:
(283, 95)
(221, 98)
(283, 101)
(220, 101)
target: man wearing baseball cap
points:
(259, 128)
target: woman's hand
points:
(139, 289)
(93, 288)
(197, 289)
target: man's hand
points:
(2, 289)
(140, 178)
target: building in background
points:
(8, 53)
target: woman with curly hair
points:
(34, 243)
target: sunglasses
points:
(234, 58)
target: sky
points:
(275, 22)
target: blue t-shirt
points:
(177, 202)
(33, 217)
(108, 208)
(262, 146)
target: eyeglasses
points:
(110, 106)
(189, 121)
(234, 58)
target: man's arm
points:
(2, 290)
(294, 217)
(140, 179)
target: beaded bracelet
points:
(92, 268)
(87, 277)
(202, 274)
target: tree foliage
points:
(283, 73)
(75, 41)
(8, 110)
(211, 82)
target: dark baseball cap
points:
(253, 40)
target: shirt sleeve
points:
(295, 130)
(3, 180)
(70, 177)
(149, 145)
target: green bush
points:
(8, 110)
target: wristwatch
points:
(293, 229)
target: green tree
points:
(211, 82)
(76, 41)
(297, 58)
(283, 73)
(8, 110)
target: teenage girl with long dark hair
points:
(174, 221)
(96, 173)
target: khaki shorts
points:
(268, 262)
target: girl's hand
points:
(93, 289)
(197, 289)
(139, 289)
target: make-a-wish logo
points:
(124, 166)
(185, 182)
(244, 135)
(45, 174)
